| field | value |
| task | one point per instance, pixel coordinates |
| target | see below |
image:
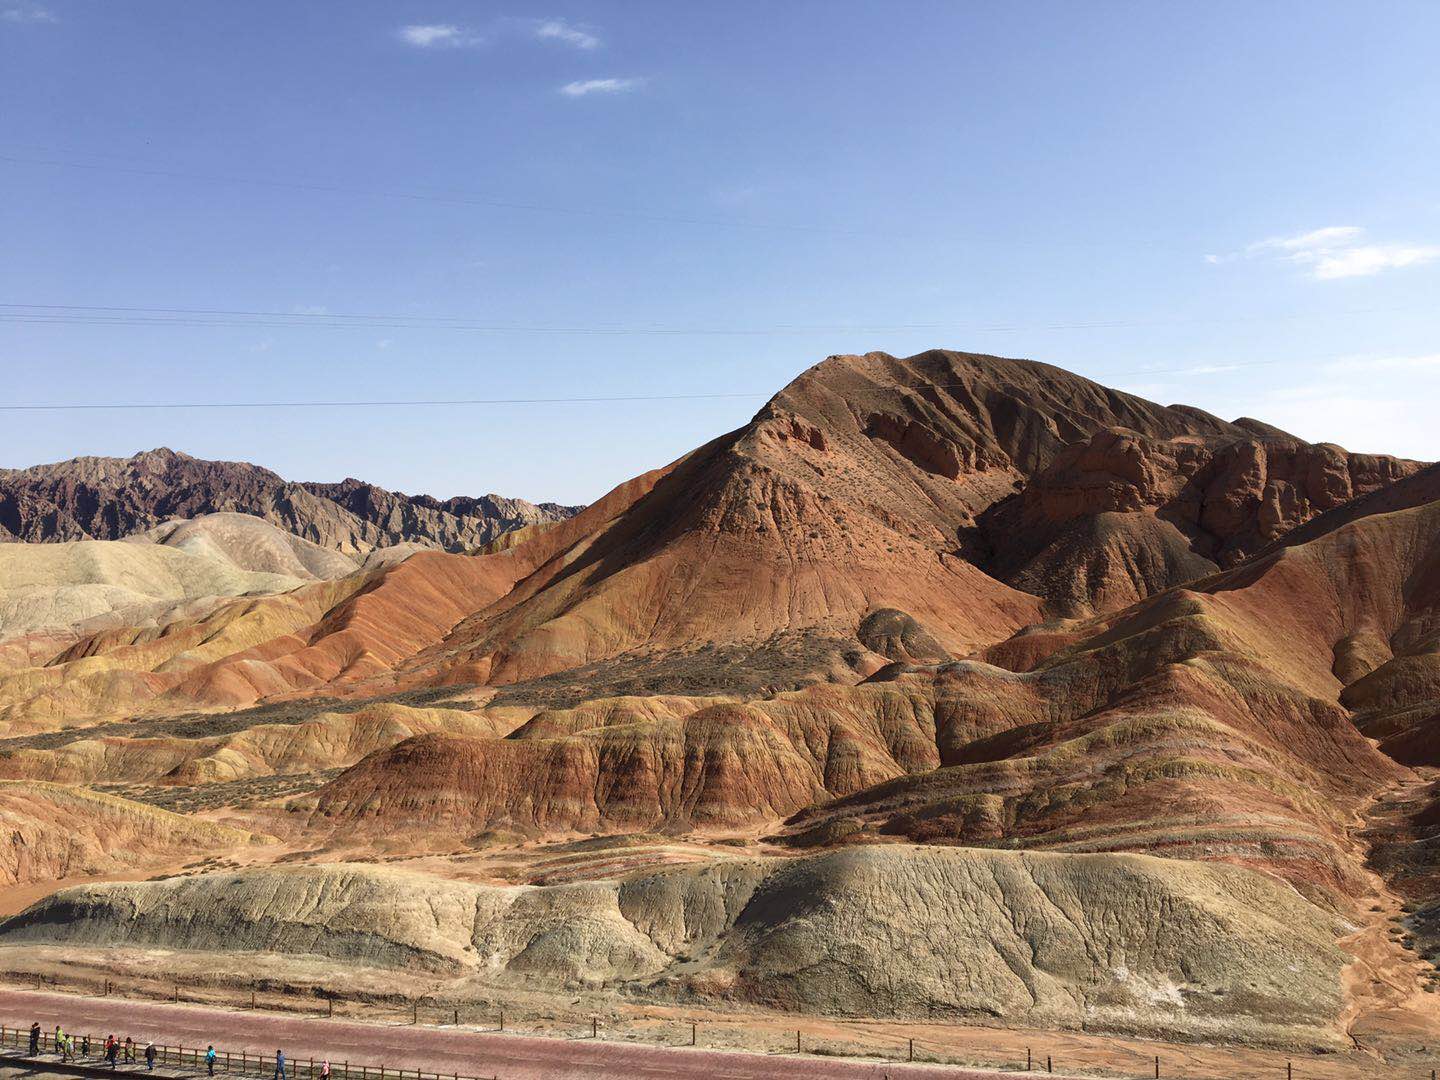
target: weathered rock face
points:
(1125, 943)
(1121, 515)
(96, 498)
(50, 831)
(857, 488)
(721, 766)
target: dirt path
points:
(1385, 983)
(454, 1050)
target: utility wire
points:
(599, 399)
(396, 403)
(454, 200)
(95, 315)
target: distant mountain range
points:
(104, 498)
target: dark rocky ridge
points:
(99, 498)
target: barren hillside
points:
(1142, 701)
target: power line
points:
(590, 400)
(453, 200)
(98, 315)
(391, 403)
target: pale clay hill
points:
(1034, 702)
(983, 933)
(180, 568)
(99, 498)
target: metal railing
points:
(91, 1052)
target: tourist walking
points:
(34, 1039)
(129, 1050)
(150, 1055)
(279, 1065)
(210, 1060)
(325, 1069)
(112, 1051)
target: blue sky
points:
(1232, 205)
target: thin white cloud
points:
(1370, 259)
(586, 87)
(1316, 240)
(27, 14)
(1338, 251)
(438, 36)
(563, 32)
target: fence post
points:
(912, 1051)
(502, 1019)
(1157, 1067)
(1027, 1059)
(457, 1017)
(1049, 1068)
(414, 1012)
(797, 1042)
(331, 1002)
(692, 1034)
(594, 1028)
(1289, 1070)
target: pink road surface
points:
(441, 1050)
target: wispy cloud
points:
(438, 36)
(27, 14)
(586, 87)
(565, 33)
(1339, 251)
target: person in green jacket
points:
(210, 1060)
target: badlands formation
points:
(950, 688)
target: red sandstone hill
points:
(1211, 722)
(925, 485)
